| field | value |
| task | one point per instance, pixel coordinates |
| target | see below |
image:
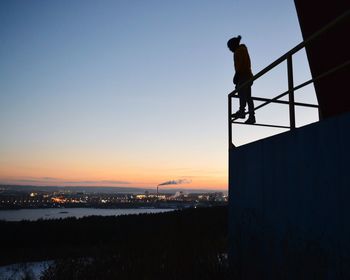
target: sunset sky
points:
(132, 92)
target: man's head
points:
(233, 43)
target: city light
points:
(10, 198)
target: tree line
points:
(182, 244)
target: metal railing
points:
(291, 88)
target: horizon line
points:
(121, 187)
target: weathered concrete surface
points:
(290, 204)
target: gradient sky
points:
(134, 93)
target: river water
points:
(57, 213)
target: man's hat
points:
(234, 41)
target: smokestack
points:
(173, 182)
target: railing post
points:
(229, 122)
(291, 92)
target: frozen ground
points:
(19, 271)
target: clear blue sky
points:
(132, 91)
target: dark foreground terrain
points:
(185, 244)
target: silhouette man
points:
(243, 73)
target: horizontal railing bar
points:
(271, 100)
(282, 102)
(292, 51)
(304, 84)
(323, 75)
(259, 124)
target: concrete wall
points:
(290, 204)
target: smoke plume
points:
(175, 182)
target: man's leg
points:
(251, 119)
(242, 99)
(242, 102)
(250, 102)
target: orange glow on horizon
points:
(85, 170)
(199, 184)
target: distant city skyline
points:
(132, 93)
(102, 189)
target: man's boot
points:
(239, 114)
(250, 120)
